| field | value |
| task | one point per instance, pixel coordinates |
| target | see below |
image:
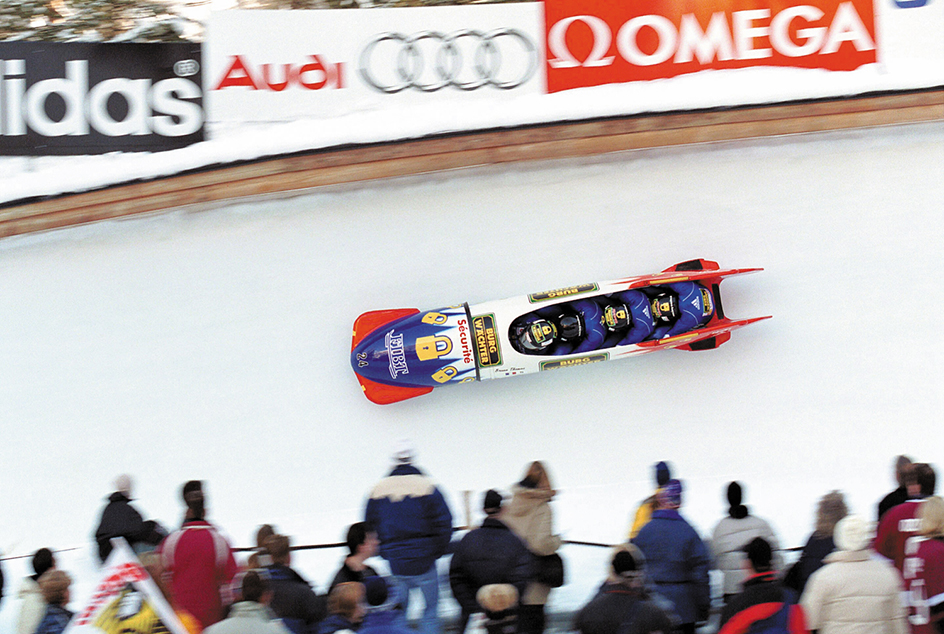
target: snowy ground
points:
(213, 343)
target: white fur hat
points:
(123, 484)
(405, 452)
(853, 533)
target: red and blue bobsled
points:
(401, 353)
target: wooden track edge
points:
(554, 140)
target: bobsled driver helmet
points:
(616, 316)
(665, 308)
(537, 335)
(571, 327)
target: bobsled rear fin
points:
(694, 265)
(371, 321)
(707, 344)
(383, 394)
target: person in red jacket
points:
(764, 604)
(198, 561)
(901, 522)
(923, 571)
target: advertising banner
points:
(595, 42)
(126, 601)
(285, 65)
(76, 98)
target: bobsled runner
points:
(401, 353)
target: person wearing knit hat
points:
(763, 599)
(404, 452)
(670, 495)
(677, 558)
(488, 555)
(731, 534)
(120, 519)
(414, 526)
(662, 474)
(855, 591)
(383, 615)
(623, 601)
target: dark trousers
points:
(530, 619)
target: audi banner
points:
(595, 42)
(285, 65)
(72, 98)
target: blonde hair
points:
(497, 597)
(832, 508)
(536, 476)
(54, 585)
(346, 599)
(931, 514)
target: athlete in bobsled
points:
(680, 307)
(627, 317)
(562, 329)
(623, 319)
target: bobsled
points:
(402, 353)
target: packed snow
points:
(213, 342)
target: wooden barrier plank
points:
(558, 140)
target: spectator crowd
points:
(854, 574)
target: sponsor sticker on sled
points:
(487, 349)
(395, 354)
(562, 292)
(569, 363)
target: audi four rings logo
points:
(466, 60)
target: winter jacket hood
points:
(524, 500)
(855, 593)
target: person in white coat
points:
(732, 534)
(252, 614)
(34, 606)
(856, 592)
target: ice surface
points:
(213, 343)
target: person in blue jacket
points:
(383, 616)
(627, 317)
(680, 307)
(414, 526)
(677, 558)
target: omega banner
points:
(594, 42)
(72, 98)
(285, 65)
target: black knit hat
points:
(376, 590)
(493, 502)
(759, 553)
